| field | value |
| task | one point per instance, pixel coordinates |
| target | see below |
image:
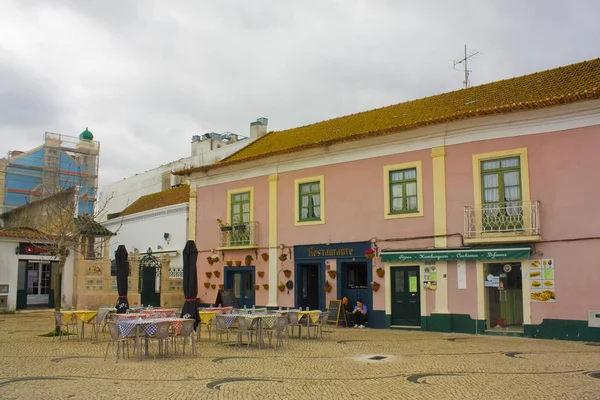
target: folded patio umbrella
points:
(190, 283)
(122, 278)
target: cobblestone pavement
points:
(418, 365)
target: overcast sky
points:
(146, 75)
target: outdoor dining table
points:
(160, 312)
(83, 315)
(261, 321)
(133, 316)
(148, 326)
(311, 316)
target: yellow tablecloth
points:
(313, 315)
(207, 316)
(83, 315)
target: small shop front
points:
(330, 272)
(36, 267)
(470, 290)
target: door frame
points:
(321, 278)
(227, 271)
(368, 299)
(482, 293)
(387, 266)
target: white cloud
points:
(145, 76)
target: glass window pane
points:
(512, 193)
(490, 181)
(509, 162)
(492, 164)
(411, 203)
(397, 204)
(411, 189)
(410, 174)
(396, 176)
(399, 280)
(491, 196)
(511, 178)
(397, 190)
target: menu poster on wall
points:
(430, 276)
(541, 281)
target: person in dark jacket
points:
(347, 310)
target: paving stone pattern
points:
(347, 364)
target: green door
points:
(150, 296)
(240, 219)
(406, 296)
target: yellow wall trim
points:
(297, 183)
(438, 155)
(386, 189)
(273, 180)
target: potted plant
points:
(248, 260)
(213, 286)
(332, 273)
(206, 285)
(265, 256)
(215, 258)
(216, 273)
(380, 272)
(221, 286)
(260, 274)
(225, 227)
(238, 263)
(281, 286)
(287, 273)
(375, 286)
(208, 274)
(266, 286)
(229, 263)
(328, 287)
(282, 257)
(210, 260)
(370, 254)
(256, 287)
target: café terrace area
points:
(344, 363)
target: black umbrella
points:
(122, 278)
(190, 282)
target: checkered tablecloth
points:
(161, 312)
(268, 321)
(132, 316)
(218, 310)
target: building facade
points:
(62, 162)
(206, 149)
(463, 212)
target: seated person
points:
(359, 314)
(347, 310)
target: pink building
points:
(479, 205)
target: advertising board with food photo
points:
(430, 276)
(541, 281)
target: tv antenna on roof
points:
(466, 82)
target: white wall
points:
(9, 266)
(128, 190)
(146, 229)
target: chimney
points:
(258, 128)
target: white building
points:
(206, 149)
(156, 221)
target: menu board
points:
(430, 276)
(541, 281)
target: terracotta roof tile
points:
(153, 201)
(21, 233)
(542, 89)
(86, 225)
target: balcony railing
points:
(239, 235)
(510, 218)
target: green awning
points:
(471, 253)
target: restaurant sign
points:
(483, 254)
(34, 249)
(345, 250)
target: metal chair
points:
(246, 326)
(222, 328)
(115, 337)
(318, 326)
(97, 322)
(279, 328)
(59, 322)
(161, 335)
(293, 321)
(186, 332)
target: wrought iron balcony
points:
(505, 219)
(239, 235)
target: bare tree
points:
(59, 228)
